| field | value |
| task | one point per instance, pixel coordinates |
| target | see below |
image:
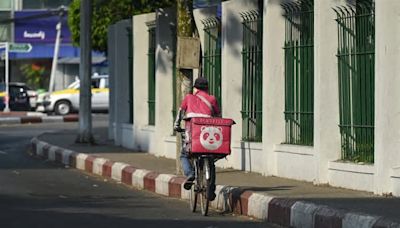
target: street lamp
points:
(61, 13)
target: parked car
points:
(18, 97)
(2, 95)
(65, 101)
(32, 94)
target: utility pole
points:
(85, 110)
(7, 78)
(184, 79)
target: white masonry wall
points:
(165, 143)
(387, 93)
(326, 91)
(200, 15)
(273, 84)
(143, 134)
(291, 161)
(319, 163)
(245, 156)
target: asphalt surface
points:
(337, 198)
(36, 193)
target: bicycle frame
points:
(203, 164)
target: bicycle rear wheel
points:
(204, 179)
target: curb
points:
(38, 119)
(281, 211)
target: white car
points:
(65, 101)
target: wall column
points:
(273, 81)
(387, 92)
(326, 90)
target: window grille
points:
(152, 75)
(212, 56)
(356, 66)
(299, 72)
(130, 59)
(252, 76)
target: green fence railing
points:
(130, 59)
(252, 76)
(356, 65)
(212, 56)
(299, 72)
(152, 75)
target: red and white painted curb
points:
(285, 212)
(38, 119)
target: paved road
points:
(31, 196)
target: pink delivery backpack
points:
(210, 136)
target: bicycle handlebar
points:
(179, 129)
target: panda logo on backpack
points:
(211, 137)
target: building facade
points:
(311, 84)
(35, 22)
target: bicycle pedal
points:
(187, 185)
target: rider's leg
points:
(186, 164)
(187, 169)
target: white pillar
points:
(273, 81)
(232, 75)
(164, 75)
(326, 97)
(387, 93)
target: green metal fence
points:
(152, 75)
(130, 59)
(212, 56)
(299, 72)
(252, 76)
(356, 65)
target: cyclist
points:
(198, 104)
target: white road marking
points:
(2, 152)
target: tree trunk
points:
(184, 79)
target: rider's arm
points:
(180, 114)
(217, 111)
(178, 119)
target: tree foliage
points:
(108, 12)
(34, 75)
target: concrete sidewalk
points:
(278, 200)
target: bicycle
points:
(204, 182)
(209, 141)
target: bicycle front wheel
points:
(204, 179)
(193, 194)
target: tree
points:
(34, 75)
(96, 17)
(108, 12)
(184, 79)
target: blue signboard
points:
(39, 26)
(208, 3)
(205, 3)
